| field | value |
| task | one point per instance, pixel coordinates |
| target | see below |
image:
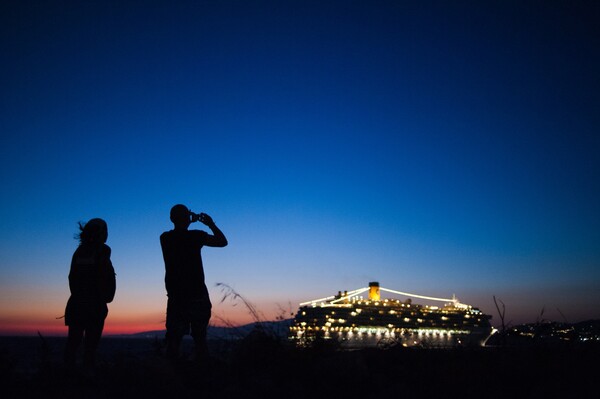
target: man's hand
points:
(206, 219)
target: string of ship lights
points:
(334, 300)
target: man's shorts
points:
(181, 314)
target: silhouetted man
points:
(188, 305)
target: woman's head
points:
(94, 231)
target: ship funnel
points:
(374, 294)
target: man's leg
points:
(173, 344)
(176, 328)
(201, 316)
(199, 334)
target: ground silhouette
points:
(262, 365)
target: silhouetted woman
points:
(92, 283)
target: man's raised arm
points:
(218, 239)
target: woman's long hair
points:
(94, 231)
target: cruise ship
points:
(354, 321)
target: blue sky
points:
(435, 147)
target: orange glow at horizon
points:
(117, 322)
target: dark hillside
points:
(261, 365)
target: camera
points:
(195, 217)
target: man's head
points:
(180, 216)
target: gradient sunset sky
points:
(438, 147)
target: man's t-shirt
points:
(184, 273)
